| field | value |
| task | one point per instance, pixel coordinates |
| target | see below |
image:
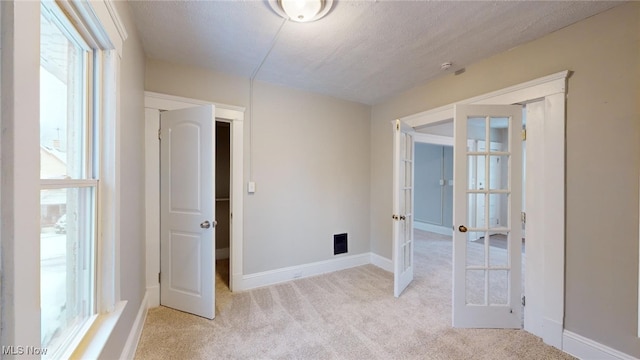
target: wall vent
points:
(339, 244)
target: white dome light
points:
(301, 10)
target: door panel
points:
(402, 206)
(187, 211)
(487, 229)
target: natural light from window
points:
(68, 190)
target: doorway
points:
(233, 117)
(546, 209)
(223, 204)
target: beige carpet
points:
(350, 314)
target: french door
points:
(402, 206)
(487, 239)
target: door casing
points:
(154, 103)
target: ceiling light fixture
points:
(301, 10)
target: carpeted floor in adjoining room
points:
(349, 314)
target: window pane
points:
(66, 262)
(63, 103)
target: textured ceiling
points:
(363, 51)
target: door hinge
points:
(398, 125)
(159, 277)
(159, 134)
(524, 134)
(523, 217)
(524, 300)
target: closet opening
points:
(223, 208)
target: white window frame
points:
(89, 175)
(20, 166)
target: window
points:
(69, 182)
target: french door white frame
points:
(552, 90)
(154, 103)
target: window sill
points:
(96, 338)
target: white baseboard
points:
(153, 296)
(587, 349)
(442, 230)
(129, 350)
(222, 253)
(382, 262)
(552, 332)
(271, 277)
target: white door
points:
(487, 254)
(402, 206)
(187, 205)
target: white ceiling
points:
(363, 51)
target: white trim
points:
(584, 348)
(101, 19)
(115, 18)
(129, 350)
(235, 115)
(152, 205)
(524, 92)
(222, 253)
(438, 229)
(153, 296)
(20, 296)
(277, 276)
(156, 100)
(236, 234)
(553, 197)
(382, 262)
(433, 139)
(96, 338)
(552, 332)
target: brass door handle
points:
(462, 228)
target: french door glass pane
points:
(499, 250)
(63, 103)
(498, 287)
(67, 234)
(499, 134)
(477, 130)
(475, 287)
(475, 249)
(498, 165)
(476, 173)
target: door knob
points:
(205, 225)
(462, 228)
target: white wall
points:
(310, 164)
